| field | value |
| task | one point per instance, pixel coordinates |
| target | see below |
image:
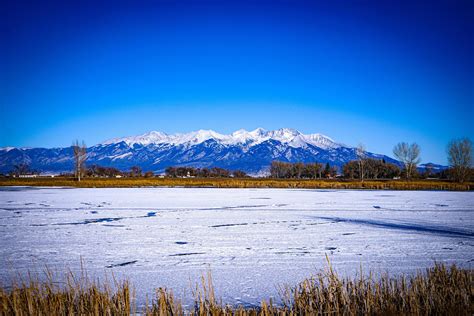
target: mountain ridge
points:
(250, 138)
(250, 151)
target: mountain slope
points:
(251, 151)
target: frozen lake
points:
(253, 240)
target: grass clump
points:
(75, 296)
(438, 291)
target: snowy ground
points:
(253, 240)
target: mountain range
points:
(250, 151)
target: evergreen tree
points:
(327, 170)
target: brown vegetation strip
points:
(241, 183)
(438, 291)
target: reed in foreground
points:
(76, 295)
(440, 290)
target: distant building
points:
(27, 176)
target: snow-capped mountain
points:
(251, 151)
(291, 137)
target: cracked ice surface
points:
(253, 240)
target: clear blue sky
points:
(376, 72)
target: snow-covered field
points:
(253, 240)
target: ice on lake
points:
(252, 240)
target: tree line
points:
(373, 169)
(299, 170)
(215, 172)
(459, 157)
(110, 172)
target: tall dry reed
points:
(75, 295)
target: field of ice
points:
(252, 240)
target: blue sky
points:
(376, 72)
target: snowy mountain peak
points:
(322, 141)
(289, 136)
(284, 134)
(152, 137)
(287, 131)
(196, 137)
(258, 131)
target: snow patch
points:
(122, 156)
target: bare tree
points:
(135, 171)
(298, 169)
(311, 170)
(239, 174)
(360, 152)
(80, 157)
(460, 158)
(409, 155)
(149, 174)
(21, 169)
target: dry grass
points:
(77, 295)
(438, 291)
(242, 183)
